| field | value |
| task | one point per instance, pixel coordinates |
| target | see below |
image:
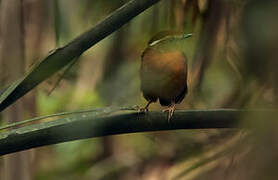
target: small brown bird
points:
(164, 71)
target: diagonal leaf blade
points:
(65, 55)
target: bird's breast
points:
(163, 74)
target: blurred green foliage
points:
(232, 63)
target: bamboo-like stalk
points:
(109, 121)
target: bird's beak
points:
(184, 36)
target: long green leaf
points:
(110, 121)
(64, 55)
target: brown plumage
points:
(163, 76)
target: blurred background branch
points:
(12, 60)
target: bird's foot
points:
(170, 110)
(146, 108)
(143, 110)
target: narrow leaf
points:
(111, 121)
(61, 57)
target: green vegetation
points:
(76, 64)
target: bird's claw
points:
(146, 108)
(170, 110)
(143, 110)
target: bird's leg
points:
(146, 108)
(170, 110)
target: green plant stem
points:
(111, 122)
(13, 125)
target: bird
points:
(163, 71)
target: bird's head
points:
(168, 40)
